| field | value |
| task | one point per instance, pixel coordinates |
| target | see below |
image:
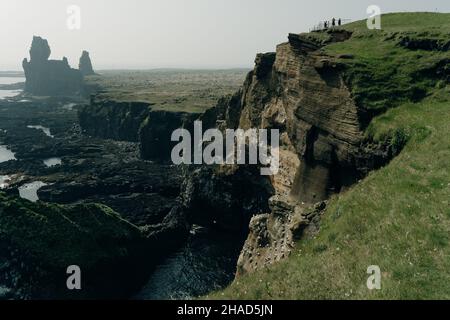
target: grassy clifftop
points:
(398, 218)
(386, 68)
(169, 90)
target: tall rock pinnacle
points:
(40, 50)
(85, 65)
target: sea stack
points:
(85, 65)
(46, 77)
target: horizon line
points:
(17, 71)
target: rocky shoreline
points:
(95, 168)
(92, 170)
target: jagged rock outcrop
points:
(272, 236)
(85, 65)
(46, 77)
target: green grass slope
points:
(398, 218)
(382, 73)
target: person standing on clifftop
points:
(333, 22)
(339, 22)
(325, 24)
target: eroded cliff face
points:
(113, 119)
(303, 94)
(134, 122)
(300, 91)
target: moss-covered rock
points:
(39, 241)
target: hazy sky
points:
(172, 33)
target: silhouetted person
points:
(339, 22)
(333, 22)
(325, 24)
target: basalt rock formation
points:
(46, 77)
(112, 119)
(85, 65)
(135, 122)
(225, 198)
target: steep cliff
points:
(322, 101)
(46, 77)
(135, 122)
(300, 91)
(113, 120)
(347, 104)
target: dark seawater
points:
(29, 191)
(6, 154)
(207, 262)
(10, 93)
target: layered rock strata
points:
(300, 91)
